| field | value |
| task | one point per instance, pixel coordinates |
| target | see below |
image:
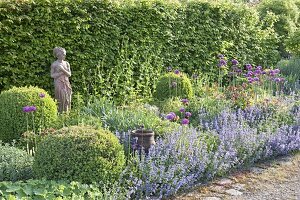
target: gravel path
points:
(273, 180)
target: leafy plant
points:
(15, 164)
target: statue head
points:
(59, 52)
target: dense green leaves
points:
(79, 154)
(14, 121)
(120, 49)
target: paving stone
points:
(256, 170)
(211, 198)
(233, 192)
(224, 182)
(239, 186)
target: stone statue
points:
(60, 71)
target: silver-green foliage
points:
(15, 164)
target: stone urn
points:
(145, 138)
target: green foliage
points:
(14, 121)
(290, 68)
(292, 43)
(287, 14)
(169, 105)
(173, 85)
(81, 154)
(42, 189)
(128, 118)
(124, 60)
(15, 164)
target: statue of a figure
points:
(60, 71)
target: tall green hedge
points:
(119, 48)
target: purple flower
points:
(234, 62)
(277, 80)
(171, 116)
(174, 84)
(257, 72)
(276, 71)
(185, 121)
(188, 114)
(181, 110)
(249, 73)
(250, 80)
(42, 95)
(222, 62)
(259, 67)
(28, 109)
(256, 79)
(238, 70)
(272, 73)
(249, 67)
(185, 101)
(176, 71)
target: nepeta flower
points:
(249, 67)
(42, 95)
(185, 121)
(176, 71)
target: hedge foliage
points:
(79, 154)
(119, 48)
(14, 121)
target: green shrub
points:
(15, 164)
(14, 121)
(287, 14)
(169, 105)
(292, 43)
(81, 154)
(129, 117)
(126, 58)
(173, 85)
(291, 70)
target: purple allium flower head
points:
(277, 80)
(257, 72)
(282, 79)
(174, 84)
(26, 109)
(259, 67)
(238, 70)
(276, 71)
(250, 80)
(181, 110)
(220, 56)
(185, 101)
(222, 62)
(249, 73)
(263, 72)
(188, 114)
(249, 67)
(256, 79)
(42, 95)
(234, 62)
(176, 71)
(171, 116)
(185, 121)
(169, 68)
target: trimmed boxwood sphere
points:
(173, 85)
(79, 154)
(14, 120)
